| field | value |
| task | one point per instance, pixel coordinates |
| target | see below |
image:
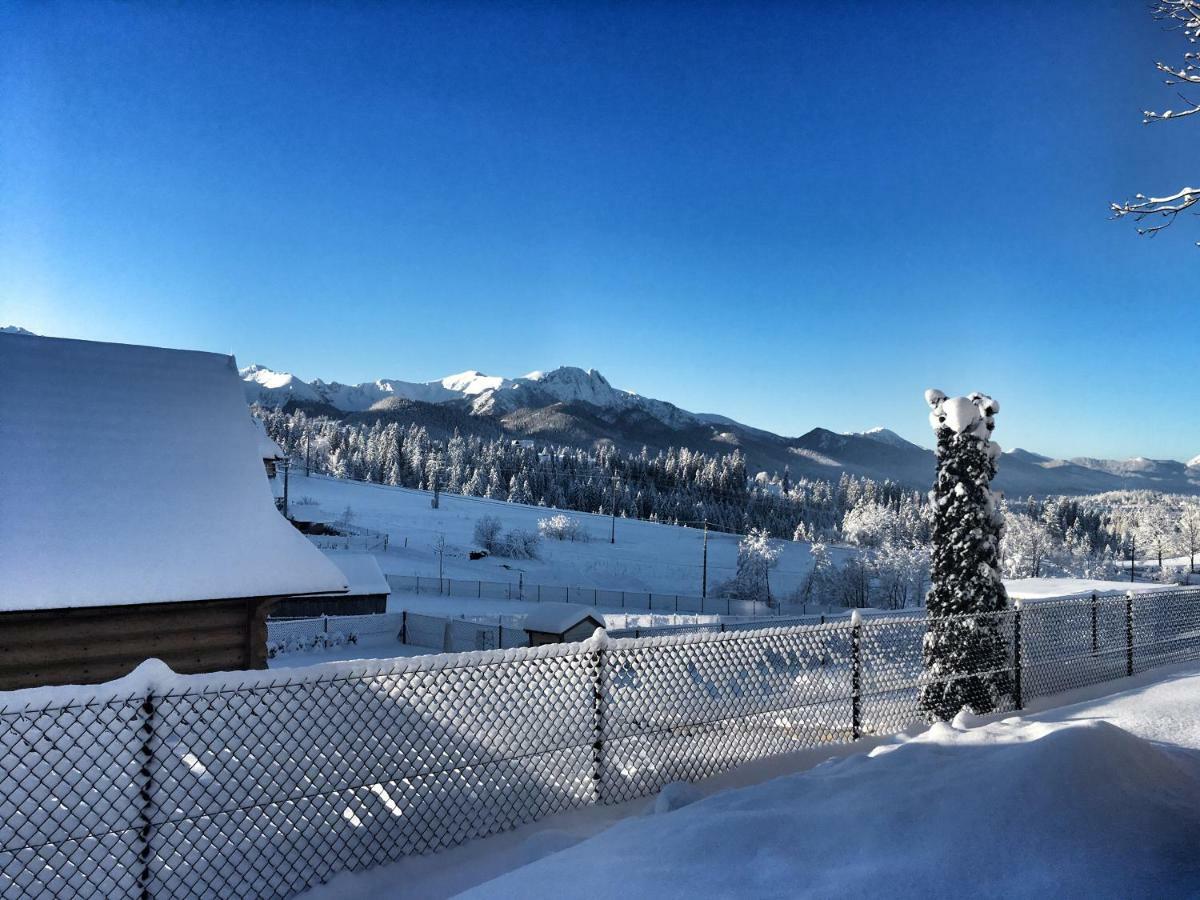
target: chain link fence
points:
(609, 598)
(202, 786)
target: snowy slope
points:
(1079, 808)
(646, 556)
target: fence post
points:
(1095, 631)
(855, 674)
(404, 626)
(1129, 632)
(1018, 693)
(146, 794)
(478, 589)
(676, 604)
(597, 725)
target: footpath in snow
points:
(1100, 798)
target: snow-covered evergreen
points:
(965, 651)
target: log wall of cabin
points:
(90, 645)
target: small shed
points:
(136, 521)
(367, 592)
(561, 623)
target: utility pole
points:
(1132, 554)
(613, 505)
(704, 576)
(441, 549)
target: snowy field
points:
(1100, 798)
(1044, 588)
(645, 557)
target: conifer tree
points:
(966, 655)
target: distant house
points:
(367, 592)
(558, 623)
(270, 451)
(135, 520)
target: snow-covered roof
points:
(555, 618)
(1062, 588)
(267, 448)
(129, 475)
(361, 570)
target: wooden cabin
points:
(136, 519)
(561, 623)
(367, 590)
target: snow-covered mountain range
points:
(576, 406)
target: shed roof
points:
(361, 570)
(129, 475)
(555, 618)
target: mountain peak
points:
(15, 329)
(883, 436)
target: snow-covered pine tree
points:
(965, 652)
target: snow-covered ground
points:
(645, 557)
(1042, 588)
(1099, 798)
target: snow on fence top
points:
(132, 475)
(361, 570)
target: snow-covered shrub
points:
(304, 501)
(319, 641)
(561, 527)
(1172, 575)
(519, 543)
(487, 533)
(965, 657)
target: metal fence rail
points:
(210, 788)
(645, 601)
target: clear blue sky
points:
(793, 214)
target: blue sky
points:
(793, 214)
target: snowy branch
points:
(1183, 16)
(1142, 207)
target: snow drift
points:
(1013, 808)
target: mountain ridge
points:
(578, 406)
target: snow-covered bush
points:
(519, 543)
(487, 533)
(965, 657)
(319, 641)
(561, 527)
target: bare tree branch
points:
(1142, 207)
(1161, 212)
